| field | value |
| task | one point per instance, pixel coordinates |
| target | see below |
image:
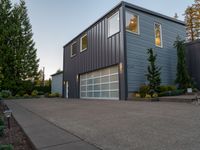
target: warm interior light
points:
(158, 42)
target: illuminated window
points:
(158, 34)
(132, 22)
(113, 24)
(83, 43)
(73, 49)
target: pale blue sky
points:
(55, 22)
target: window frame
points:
(161, 35)
(138, 20)
(81, 47)
(108, 25)
(71, 49)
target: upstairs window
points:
(113, 24)
(83, 43)
(132, 22)
(158, 34)
(73, 49)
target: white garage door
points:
(100, 84)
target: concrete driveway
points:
(123, 125)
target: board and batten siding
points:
(102, 52)
(137, 45)
(57, 83)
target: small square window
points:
(113, 24)
(83, 43)
(73, 49)
(158, 35)
(132, 22)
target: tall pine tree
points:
(18, 61)
(153, 75)
(182, 76)
(30, 62)
(7, 38)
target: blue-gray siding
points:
(137, 45)
(56, 85)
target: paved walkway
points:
(44, 134)
(59, 124)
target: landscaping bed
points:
(15, 137)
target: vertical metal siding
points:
(101, 52)
(137, 45)
(193, 60)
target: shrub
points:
(26, 96)
(46, 94)
(34, 93)
(2, 130)
(171, 93)
(40, 93)
(164, 88)
(144, 89)
(6, 147)
(57, 94)
(1, 121)
(44, 89)
(21, 93)
(5, 94)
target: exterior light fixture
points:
(77, 77)
(121, 67)
(64, 82)
(7, 114)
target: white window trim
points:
(117, 13)
(81, 50)
(71, 49)
(161, 36)
(138, 20)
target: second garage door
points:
(100, 84)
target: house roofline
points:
(57, 73)
(126, 4)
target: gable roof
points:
(135, 7)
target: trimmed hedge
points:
(171, 93)
(42, 89)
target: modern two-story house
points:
(108, 60)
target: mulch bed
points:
(16, 136)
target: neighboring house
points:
(108, 60)
(57, 83)
(193, 60)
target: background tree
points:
(182, 76)
(190, 24)
(196, 6)
(192, 19)
(153, 75)
(18, 61)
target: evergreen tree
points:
(30, 62)
(18, 61)
(7, 37)
(153, 75)
(182, 76)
